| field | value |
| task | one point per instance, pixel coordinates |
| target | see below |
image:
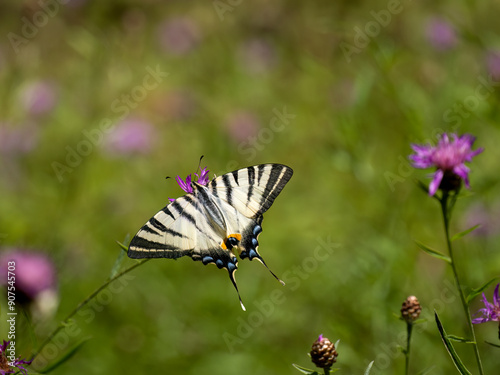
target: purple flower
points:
(448, 157)
(441, 34)
(493, 64)
(17, 140)
(257, 56)
(178, 36)
(202, 179)
(491, 312)
(35, 273)
(242, 125)
(39, 98)
(130, 136)
(8, 366)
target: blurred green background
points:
(100, 101)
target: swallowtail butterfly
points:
(214, 219)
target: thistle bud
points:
(410, 311)
(323, 353)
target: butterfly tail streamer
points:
(231, 276)
(272, 273)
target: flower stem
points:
(327, 370)
(409, 327)
(446, 208)
(65, 321)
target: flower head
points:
(448, 157)
(410, 310)
(11, 367)
(130, 136)
(35, 273)
(491, 311)
(202, 179)
(323, 353)
(441, 34)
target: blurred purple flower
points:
(17, 140)
(486, 217)
(493, 64)
(448, 157)
(35, 273)
(491, 311)
(39, 97)
(176, 105)
(178, 36)
(130, 136)
(242, 125)
(441, 34)
(11, 367)
(257, 55)
(202, 179)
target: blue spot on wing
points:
(206, 260)
(219, 263)
(257, 229)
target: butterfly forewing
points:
(252, 190)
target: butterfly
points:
(215, 219)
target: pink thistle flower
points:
(202, 179)
(11, 367)
(448, 157)
(491, 312)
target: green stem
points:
(65, 321)
(327, 370)
(409, 327)
(446, 219)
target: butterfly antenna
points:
(231, 276)
(199, 163)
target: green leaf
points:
(465, 232)
(424, 187)
(490, 343)
(123, 247)
(460, 339)
(70, 353)
(449, 347)
(369, 367)
(118, 263)
(434, 253)
(337, 344)
(475, 292)
(304, 370)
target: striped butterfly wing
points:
(215, 219)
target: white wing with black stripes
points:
(214, 219)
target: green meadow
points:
(101, 101)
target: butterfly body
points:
(214, 220)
